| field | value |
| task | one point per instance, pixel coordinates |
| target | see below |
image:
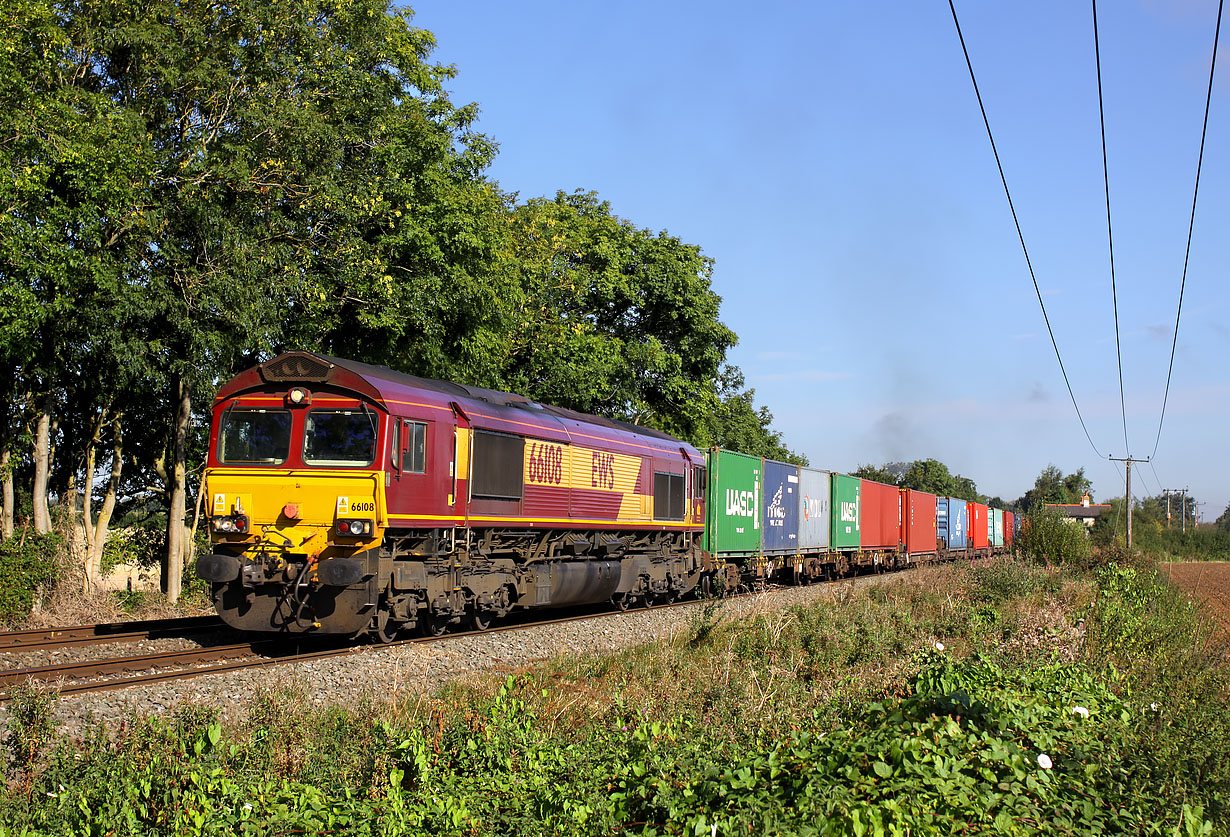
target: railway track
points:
(109, 674)
(105, 632)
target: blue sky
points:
(831, 159)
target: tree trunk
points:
(173, 567)
(196, 516)
(87, 514)
(9, 512)
(93, 564)
(42, 468)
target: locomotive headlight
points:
(298, 397)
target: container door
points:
(736, 482)
(847, 502)
(815, 506)
(781, 507)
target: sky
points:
(831, 159)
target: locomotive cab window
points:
(667, 496)
(410, 446)
(254, 437)
(498, 466)
(698, 482)
(340, 438)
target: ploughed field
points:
(1208, 581)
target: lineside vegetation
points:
(1013, 698)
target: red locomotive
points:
(351, 499)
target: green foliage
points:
(1165, 654)
(1152, 533)
(1052, 486)
(190, 188)
(31, 728)
(928, 475)
(29, 564)
(876, 474)
(1049, 537)
(780, 728)
(616, 320)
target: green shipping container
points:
(736, 482)
(847, 497)
(997, 533)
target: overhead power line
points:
(1020, 235)
(1190, 226)
(1110, 238)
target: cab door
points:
(417, 488)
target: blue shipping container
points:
(951, 518)
(781, 508)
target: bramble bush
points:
(1048, 537)
(29, 565)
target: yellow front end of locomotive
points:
(299, 514)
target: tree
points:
(617, 320)
(613, 319)
(736, 423)
(1052, 486)
(929, 475)
(196, 184)
(1223, 521)
(875, 474)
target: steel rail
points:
(195, 663)
(50, 638)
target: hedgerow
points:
(826, 720)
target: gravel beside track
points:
(403, 670)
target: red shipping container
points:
(879, 517)
(917, 521)
(978, 535)
(1009, 530)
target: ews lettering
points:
(602, 471)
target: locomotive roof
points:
(306, 366)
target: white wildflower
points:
(1080, 711)
(1153, 706)
(1044, 761)
(247, 806)
(939, 646)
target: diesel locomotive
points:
(351, 499)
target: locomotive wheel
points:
(433, 625)
(623, 601)
(480, 620)
(386, 628)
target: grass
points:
(827, 719)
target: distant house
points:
(1082, 512)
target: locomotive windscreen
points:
(339, 438)
(254, 437)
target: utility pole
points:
(1128, 460)
(1168, 492)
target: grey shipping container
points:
(815, 510)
